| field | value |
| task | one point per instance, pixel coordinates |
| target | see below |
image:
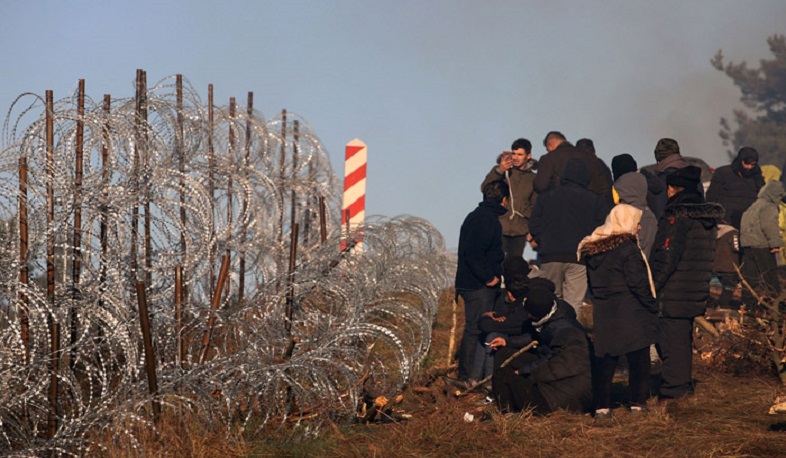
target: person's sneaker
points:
(638, 411)
(486, 401)
(603, 418)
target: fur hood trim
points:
(696, 211)
(606, 244)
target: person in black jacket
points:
(601, 181)
(624, 309)
(561, 218)
(737, 185)
(479, 267)
(552, 164)
(557, 373)
(681, 264)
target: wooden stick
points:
(452, 343)
(475, 385)
(706, 326)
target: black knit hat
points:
(687, 177)
(539, 302)
(622, 164)
(665, 148)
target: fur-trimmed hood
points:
(606, 244)
(705, 210)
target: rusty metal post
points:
(24, 273)
(211, 187)
(179, 316)
(103, 234)
(232, 108)
(322, 220)
(215, 303)
(148, 237)
(293, 194)
(76, 262)
(54, 363)
(181, 157)
(290, 299)
(135, 179)
(150, 357)
(241, 287)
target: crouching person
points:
(556, 374)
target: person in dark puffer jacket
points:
(737, 185)
(681, 264)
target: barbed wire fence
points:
(165, 209)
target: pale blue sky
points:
(436, 89)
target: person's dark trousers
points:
(760, 269)
(513, 246)
(638, 378)
(476, 303)
(514, 392)
(675, 346)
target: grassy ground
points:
(727, 417)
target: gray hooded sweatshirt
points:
(632, 189)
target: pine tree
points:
(762, 124)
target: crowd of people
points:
(642, 246)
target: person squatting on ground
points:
(556, 374)
(681, 265)
(761, 241)
(516, 168)
(624, 310)
(736, 186)
(562, 217)
(479, 267)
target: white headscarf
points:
(623, 219)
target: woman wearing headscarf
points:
(624, 309)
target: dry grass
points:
(727, 417)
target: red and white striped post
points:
(354, 205)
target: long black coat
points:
(683, 255)
(624, 312)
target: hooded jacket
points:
(656, 195)
(624, 309)
(566, 214)
(562, 370)
(760, 222)
(521, 181)
(735, 188)
(683, 254)
(632, 190)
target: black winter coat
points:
(734, 191)
(683, 255)
(565, 215)
(552, 165)
(480, 252)
(562, 371)
(624, 312)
